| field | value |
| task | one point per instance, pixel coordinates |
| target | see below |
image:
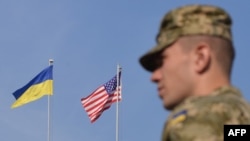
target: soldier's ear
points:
(202, 57)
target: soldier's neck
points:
(208, 84)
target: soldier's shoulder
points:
(225, 106)
(224, 96)
(202, 118)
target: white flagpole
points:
(50, 63)
(117, 101)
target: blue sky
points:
(87, 39)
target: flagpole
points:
(117, 102)
(50, 63)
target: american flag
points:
(102, 98)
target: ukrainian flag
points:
(39, 86)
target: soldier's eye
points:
(159, 61)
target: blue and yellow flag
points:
(39, 86)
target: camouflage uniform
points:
(202, 118)
(198, 118)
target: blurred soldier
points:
(191, 65)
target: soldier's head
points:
(194, 46)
